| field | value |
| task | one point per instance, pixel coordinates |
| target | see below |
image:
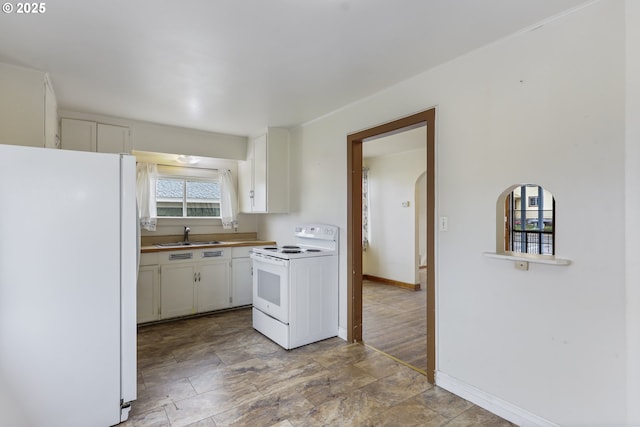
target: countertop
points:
(222, 244)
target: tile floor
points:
(217, 371)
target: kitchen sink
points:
(182, 244)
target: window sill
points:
(538, 259)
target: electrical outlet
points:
(522, 265)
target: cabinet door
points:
(148, 295)
(213, 285)
(245, 183)
(260, 174)
(242, 282)
(78, 135)
(113, 139)
(277, 164)
(51, 139)
(177, 290)
(21, 106)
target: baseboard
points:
(491, 403)
(404, 285)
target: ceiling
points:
(236, 66)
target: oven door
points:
(271, 286)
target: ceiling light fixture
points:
(187, 160)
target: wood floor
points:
(216, 370)
(395, 322)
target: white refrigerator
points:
(68, 266)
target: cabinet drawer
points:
(213, 254)
(149, 259)
(241, 251)
(244, 251)
(176, 257)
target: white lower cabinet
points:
(241, 277)
(194, 282)
(177, 282)
(148, 292)
(148, 298)
(185, 282)
(213, 285)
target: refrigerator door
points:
(60, 293)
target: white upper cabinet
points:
(86, 135)
(113, 139)
(78, 135)
(263, 178)
(28, 108)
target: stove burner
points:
(314, 250)
(271, 248)
(291, 251)
(290, 247)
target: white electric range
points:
(295, 287)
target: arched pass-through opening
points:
(354, 226)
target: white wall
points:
(550, 341)
(632, 198)
(392, 248)
(170, 139)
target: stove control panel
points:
(316, 230)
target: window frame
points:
(511, 227)
(521, 259)
(188, 174)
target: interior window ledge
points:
(539, 259)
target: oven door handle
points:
(268, 259)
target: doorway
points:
(354, 226)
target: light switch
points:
(444, 223)
(405, 204)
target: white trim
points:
(491, 403)
(540, 259)
(342, 333)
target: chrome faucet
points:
(185, 238)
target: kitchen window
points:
(187, 193)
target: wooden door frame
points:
(354, 227)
